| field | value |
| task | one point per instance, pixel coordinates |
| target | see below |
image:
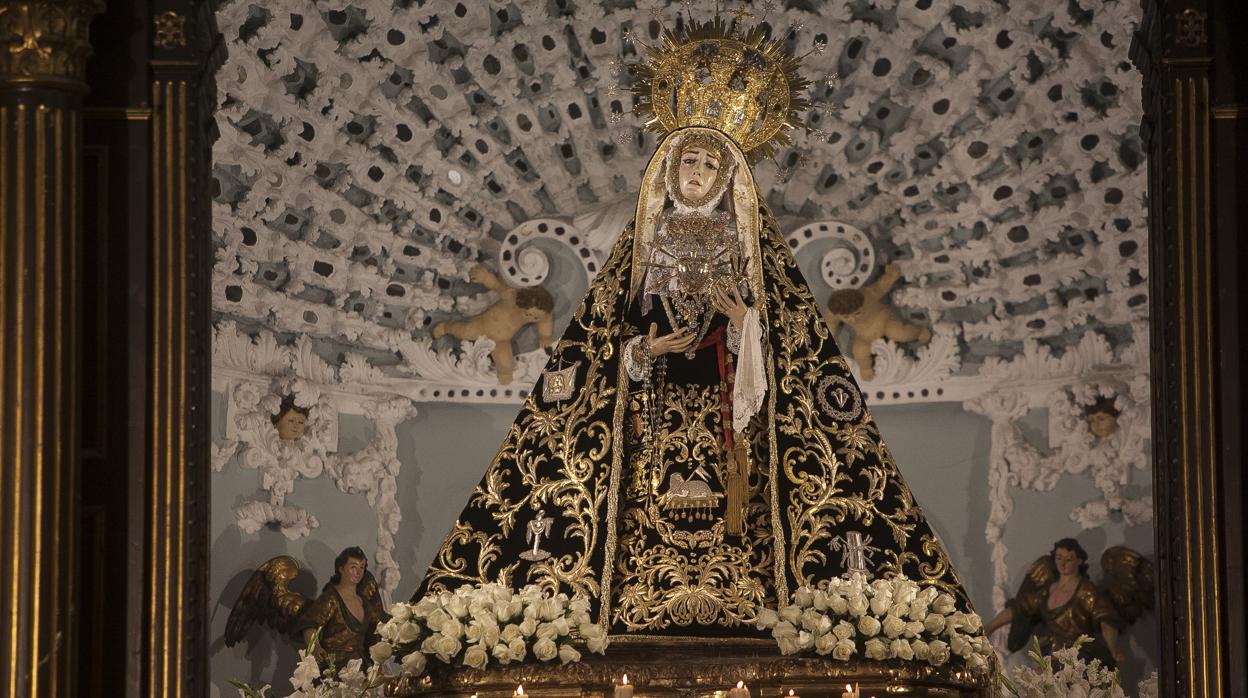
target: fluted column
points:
(43, 51)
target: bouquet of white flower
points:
(884, 619)
(1070, 676)
(310, 681)
(475, 625)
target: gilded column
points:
(43, 52)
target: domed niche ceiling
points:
(372, 153)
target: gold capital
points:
(45, 41)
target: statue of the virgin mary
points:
(697, 448)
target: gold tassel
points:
(738, 475)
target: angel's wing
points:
(1128, 582)
(1039, 576)
(267, 598)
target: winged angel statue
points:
(1057, 601)
(346, 612)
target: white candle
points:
(850, 692)
(623, 689)
(740, 691)
(519, 692)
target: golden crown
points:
(713, 75)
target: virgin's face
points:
(352, 570)
(1067, 562)
(698, 169)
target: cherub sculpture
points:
(291, 420)
(501, 322)
(1057, 602)
(1102, 417)
(347, 611)
(871, 318)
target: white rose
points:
(825, 643)
(973, 623)
(820, 600)
(843, 650)
(579, 604)
(804, 597)
(977, 663)
(568, 653)
(597, 645)
(551, 609)
(893, 626)
(489, 636)
(805, 640)
(914, 628)
(812, 619)
(511, 633)
(876, 649)
(518, 649)
(545, 649)
(921, 650)
(960, 646)
(934, 624)
(437, 618)
(400, 612)
(561, 626)
(838, 604)
(476, 657)
(939, 652)
(408, 633)
(389, 632)
(424, 607)
(918, 610)
(898, 609)
(547, 631)
(792, 614)
(900, 649)
(446, 647)
(880, 604)
(380, 652)
(506, 609)
(528, 626)
(458, 607)
(767, 618)
(452, 628)
(858, 604)
(905, 593)
(413, 664)
(502, 653)
(843, 630)
(784, 629)
(788, 644)
(868, 626)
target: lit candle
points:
(519, 692)
(740, 691)
(623, 689)
(850, 692)
(793, 694)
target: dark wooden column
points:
(43, 50)
(1196, 280)
(179, 330)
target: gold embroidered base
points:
(697, 669)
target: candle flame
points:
(791, 692)
(625, 680)
(740, 684)
(520, 690)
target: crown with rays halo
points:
(715, 75)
